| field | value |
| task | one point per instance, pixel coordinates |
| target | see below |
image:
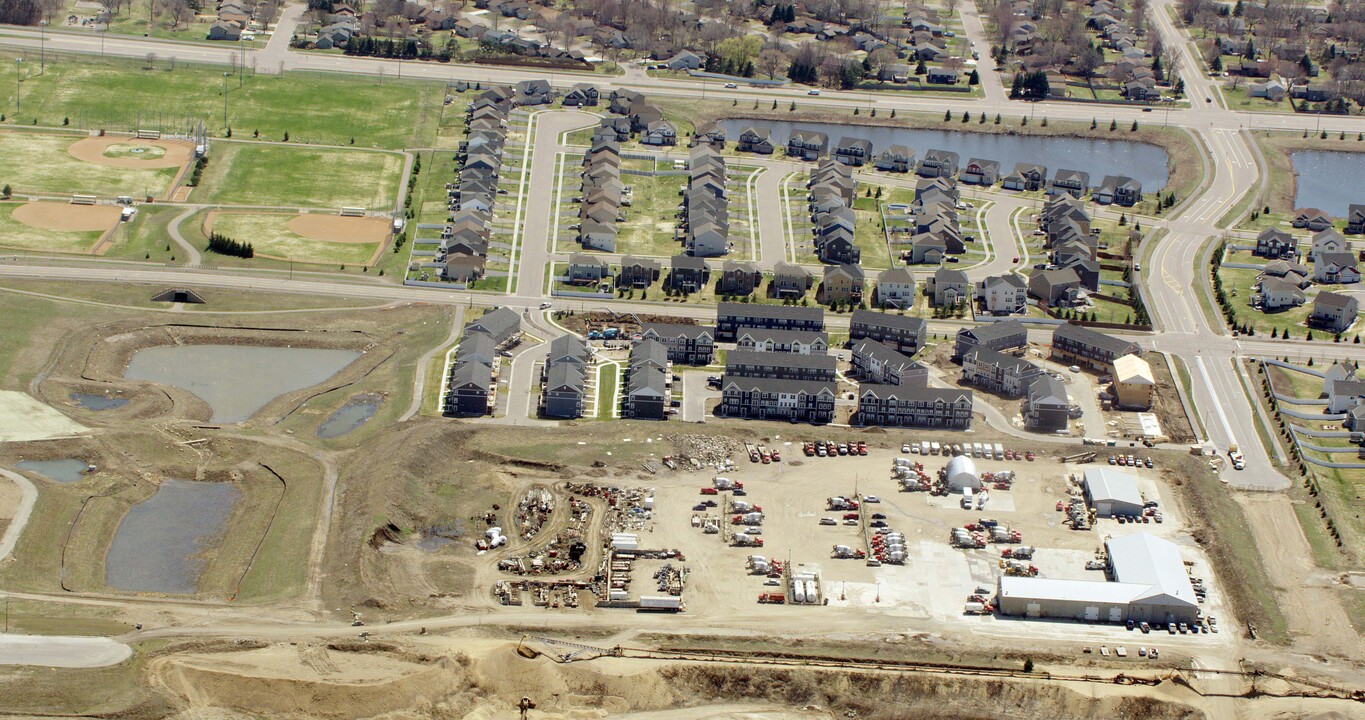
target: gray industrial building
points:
(1148, 582)
(1111, 492)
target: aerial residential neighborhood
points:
(927, 359)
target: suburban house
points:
(903, 333)
(948, 287)
(789, 281)
(896, 158)
(1276, 244)
(807, 144)
(732, 316)
(913, 405)
(1026, 176)
(873, 361)
(1118, 190)
(1355, 219)
(1074, 182)
(581, 95)
(802, 342)
(1312, 219)
(853, 151)
(1003, 294)
(755, 141)
(637, 272)
(686, 344)
(1327, 241)
(587, 269)
(1046, 407)
(997, 336)
(941, 76)
(895, 288)
(1340, 370)
(687, 274)
(1331, 268)
(1055, 288)
(646, 394)
(938, 163)
(738, 278)
(564, 377)
(463, 268)
(1092, 349)
(1134, 383)
(842, 283)
(998, 372)
(1334, 311)
(776, 399)
(1346, 395)
(659, 133)
(685, 60)
(1276, 294)
(980, 172)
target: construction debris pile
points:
(709, 450)
(534, 511)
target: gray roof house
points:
(901, 332)
(502, 325)
(1046, 407)
(896, 158)
(948, 287)
(998, 372)
(980, 172)
(895, 288)
(1076, 345)
(998, 336)
(1334, 311)
(1118, 190)
(874, 361)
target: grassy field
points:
(284, 176)
(146, 237)
(269, 236)
(119, 94)
(606, 392)
(18, 236)
(39, 163)
(1290, 320)
(650, 219)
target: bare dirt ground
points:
(335, 228)
(71, 218)
(91, 150)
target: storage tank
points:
(961, 473)
(798, 591)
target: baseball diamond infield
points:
(123, 152)
(310, 237)
(67, 217)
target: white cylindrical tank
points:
(962, 473)
(798, 591)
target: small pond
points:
(348, 417)
(1328, 181)
(236, 380)
(95, 401)
(66, 470)
(159, 545)
(1142, 161)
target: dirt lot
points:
(59, 216)
(334, 228)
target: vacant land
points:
(287, 176)
(93, 93)
(272, 235)
(32, 162)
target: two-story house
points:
(686, 344)
(903, 333)
(998, 372)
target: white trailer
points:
(999, 451)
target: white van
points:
(966, 498)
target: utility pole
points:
(225, 108)
(42, 47)
(18, 68)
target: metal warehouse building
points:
(1149, 583)
(1112, 493)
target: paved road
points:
(538, 212)
(60, 651)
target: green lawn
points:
(146, 237)
(269, 236)
(650, 219)
(1291, 320)
(116, 94)
(288, 176)
(606, 390)
(40, 163)
(1239, 100)
(18, 236)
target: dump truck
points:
(772, 598)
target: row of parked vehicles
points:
(1130, 461)
(825, 448)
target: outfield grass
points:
(146, 236)
(39, 163)
(118, 94)
(287, 176)
(18, 236)
(269, 236)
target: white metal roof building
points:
(1112, 492)
(1150, 584)
(962, 473)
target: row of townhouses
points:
(472, 384)
(706, 204)
(463, 253)
(602, 194)
(647, 384)
(564, 377)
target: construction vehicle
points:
(772, 598)
(841, 503)
(963, 538)
(1238, 462)
(764, 455)
(745, 540)
(1024, 552)
(808, 449)
(1014, 568)
(845, 552)
(749, 518)
(753, 452)
(1005, 535)
(724, 483)
(977, 608)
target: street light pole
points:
(225, 109)
(18, 67)
(42, 47)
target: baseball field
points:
(32, 162)
(290, 176)
(312, 238)
(54, 226)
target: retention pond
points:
(160, 545)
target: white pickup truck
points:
(1238, 462)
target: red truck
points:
(772, 598)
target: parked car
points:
(828, 521)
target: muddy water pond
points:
(348, 417)
(66, 470)
(94, 401)
(1328, 181)
(160, 543)
(236, 380)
